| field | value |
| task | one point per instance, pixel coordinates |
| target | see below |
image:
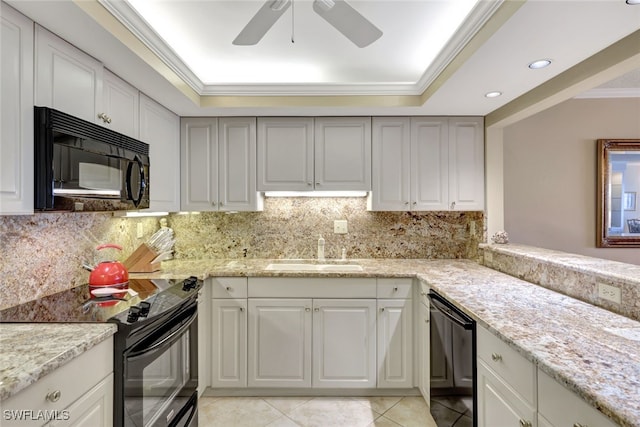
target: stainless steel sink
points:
(313, 267)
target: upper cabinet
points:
(305, 154)
(427, 163)
(160, 128)
(71, 81)
(16, 114)
(218, 158)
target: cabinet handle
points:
(307, 309)
(104, 118)
(382, 309)
(524, 423)
(54, 396)
(496, 357)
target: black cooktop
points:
(80, 305)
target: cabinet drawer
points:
(72, 381)
(228, 287)
(561, 407)
(514, 369)
(394, 288)
(311, 287)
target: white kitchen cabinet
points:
(121, 104)
(160, 128)
(16, 113)
(466, 163)
(229, 342)
(305, 154)
(204, 336)
(279, 343)
(507, 389)
(82, 400)
(344, 343)
(424, 352)
(395, 343)
(67, 79)
(427, 163)
(558, 406)
(218, 157)
(285, 154)
(342, 153)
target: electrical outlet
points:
(139, 231)
(340, 226)
(608, 292)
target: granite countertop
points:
(592, 351)
(32, 350)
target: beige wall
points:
(550, 174)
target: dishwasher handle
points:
(450, 311)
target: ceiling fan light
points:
(540, 63)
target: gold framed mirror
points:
(618, 216)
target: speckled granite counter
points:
(594, 352)
(29, 351)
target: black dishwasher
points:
(453, 364)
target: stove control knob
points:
(190, 283)
(145, 306)
(134, 314)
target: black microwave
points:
(81, 166)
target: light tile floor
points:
(379, 411)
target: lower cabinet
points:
(79, 393)
(284, 333)
(423, 323)
(395, 343)
(229, 335)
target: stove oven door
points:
(160, 375)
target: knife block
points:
(140, 260)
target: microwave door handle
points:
(141, 179)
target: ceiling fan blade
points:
(261, 22)
(348, 21)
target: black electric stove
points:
(79, 304)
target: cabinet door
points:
(279, 343)
(429, 170)
(466, 163)
(498, 404)
(395, 344)
(285, 154)
(424, 335)
(93, 409)
(199, 164)
(67, 79)
(391, 159)
(237, 164)
(16, 113)
(204, 336)
(441, 351)
(228, 343)
(344, 343)
(121, 103)
(343, 153)
(160, 128)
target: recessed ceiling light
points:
(540, 63)
(632, 2)
(492, 94)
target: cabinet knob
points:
(221, 204)
(424, 294)
(53, 396)
(241, 309)
(213, 203)
(415, 203)
(406, 203)
(104, 118)
(453, 205)
(228, 288)
(307, 309)
(309, 184)
(316, 309)
(426, 320)
(382, 309)
(579, 425)
(317, 184)
(496, 357)
(524, 423)
(395, 289)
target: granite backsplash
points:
(43, 253)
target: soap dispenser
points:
(321, 248)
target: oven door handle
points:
(148, 350)
(451, 312)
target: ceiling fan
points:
(342, 16)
